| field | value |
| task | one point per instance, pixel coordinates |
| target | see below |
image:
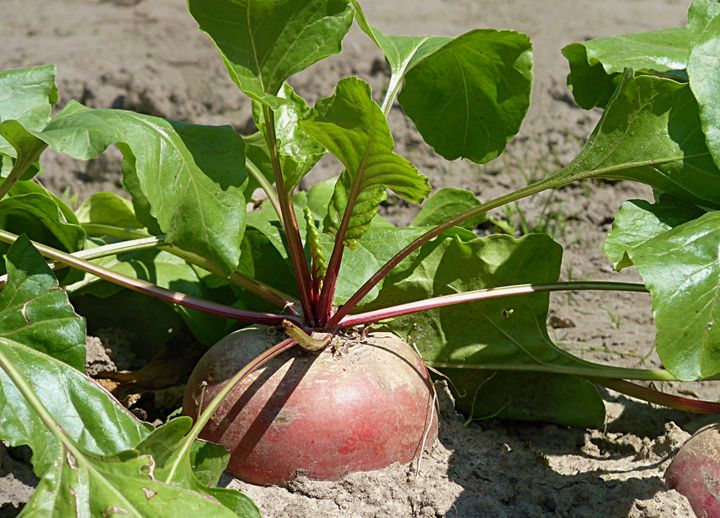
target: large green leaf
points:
(189, 178)
(30, 209)
(469, 97)
(494, 334)
(83, 449)
(650, 133)
(637, 221)
(35, 311)
(27, 96)
(681, 268)
(352, 127)
(298, 152)
(263, 43)
(704, 69)
(597, 65)
(86, 412)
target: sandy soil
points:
(147, 56)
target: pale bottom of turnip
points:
(360, 405)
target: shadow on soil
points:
(505, 468)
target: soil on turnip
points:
(147, 56)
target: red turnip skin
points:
(359, 406)
(695, 472)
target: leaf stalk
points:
(408, 308)
(289, 221)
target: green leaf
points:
(107, 208)
(401, 52)
(446, 203)
(597, 65)
(27, 96)
(495, 334)
(681, 268)
(364, 209)
(352, 127)
(650, 133)
(638, 221)
(165, 270)
(469, 97)
(704, 69)
(373, 250)
(523, 396)
(30, 209)
(263, 43)
(298, 152)
(319, 264)
(35, 311)
(202, 468)
(319, 197)
(83, 484)
(86, 413)
(190, 178)
(257, 154)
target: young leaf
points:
(364, 209)
(638, 221)
(649, 133)
(681, 268)
(503, 333)
(298, 152)
(704, 69)
(468, 98)
(319, 265)
(597, 65)
(446, 203)
(35, 311)
(264, 43)
(352, 127)
(190, 178)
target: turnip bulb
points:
(362, 404)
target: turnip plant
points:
(326, 314)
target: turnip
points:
(361, 404)
(695, 471)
